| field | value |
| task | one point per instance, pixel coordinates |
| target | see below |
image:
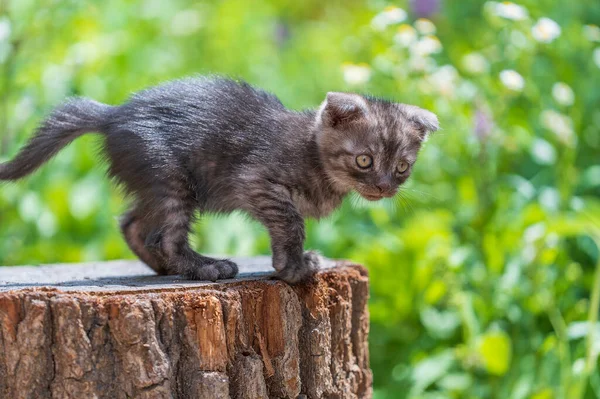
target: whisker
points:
(355, 201)
(399, 204)
(406, 204)
(413, 191)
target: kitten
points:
(216, 145)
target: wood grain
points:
(114, 330)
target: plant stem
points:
(560, 329)
(592, 320)
(590, 361)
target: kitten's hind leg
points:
(136, 235)
(167, 240)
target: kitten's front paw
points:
(292, 274)
(218, 270)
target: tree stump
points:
(114, 330)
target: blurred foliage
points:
(484, 272)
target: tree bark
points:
(113, 330)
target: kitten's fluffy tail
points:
(72, 119)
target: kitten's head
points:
(370, 145)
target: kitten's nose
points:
(384, 186)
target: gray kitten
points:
(216, 145)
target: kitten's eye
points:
(364, 161)
(402, 167)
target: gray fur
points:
(217, 145)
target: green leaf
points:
(495, 350)
(429, 370)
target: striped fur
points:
(217, 145)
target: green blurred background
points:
(483, 272)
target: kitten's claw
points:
(293, 274)
(218, 270)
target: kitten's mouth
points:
(378, 196)
(372, 197)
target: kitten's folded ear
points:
(341, 108)
(425, 121)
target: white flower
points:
(545, 30)
(84, 52)
(475, 63)
(186, 22)
(466, 90)
(561, 125)
(563, 94)
(24, 109)
(30, 207)
(425, 26)
(509, 10)
(512, 80)
(549, 198)
(592, 33)
(4, 29)
(543, 153)
(444, 80)
(421, 64)
(578, 366)
(356, 74)
(46, 224)
(534, 232)
(597, 57)
(406, 35)
(389, 16)
(426, 46)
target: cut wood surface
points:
(115, 330)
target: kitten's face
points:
(370, 145)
